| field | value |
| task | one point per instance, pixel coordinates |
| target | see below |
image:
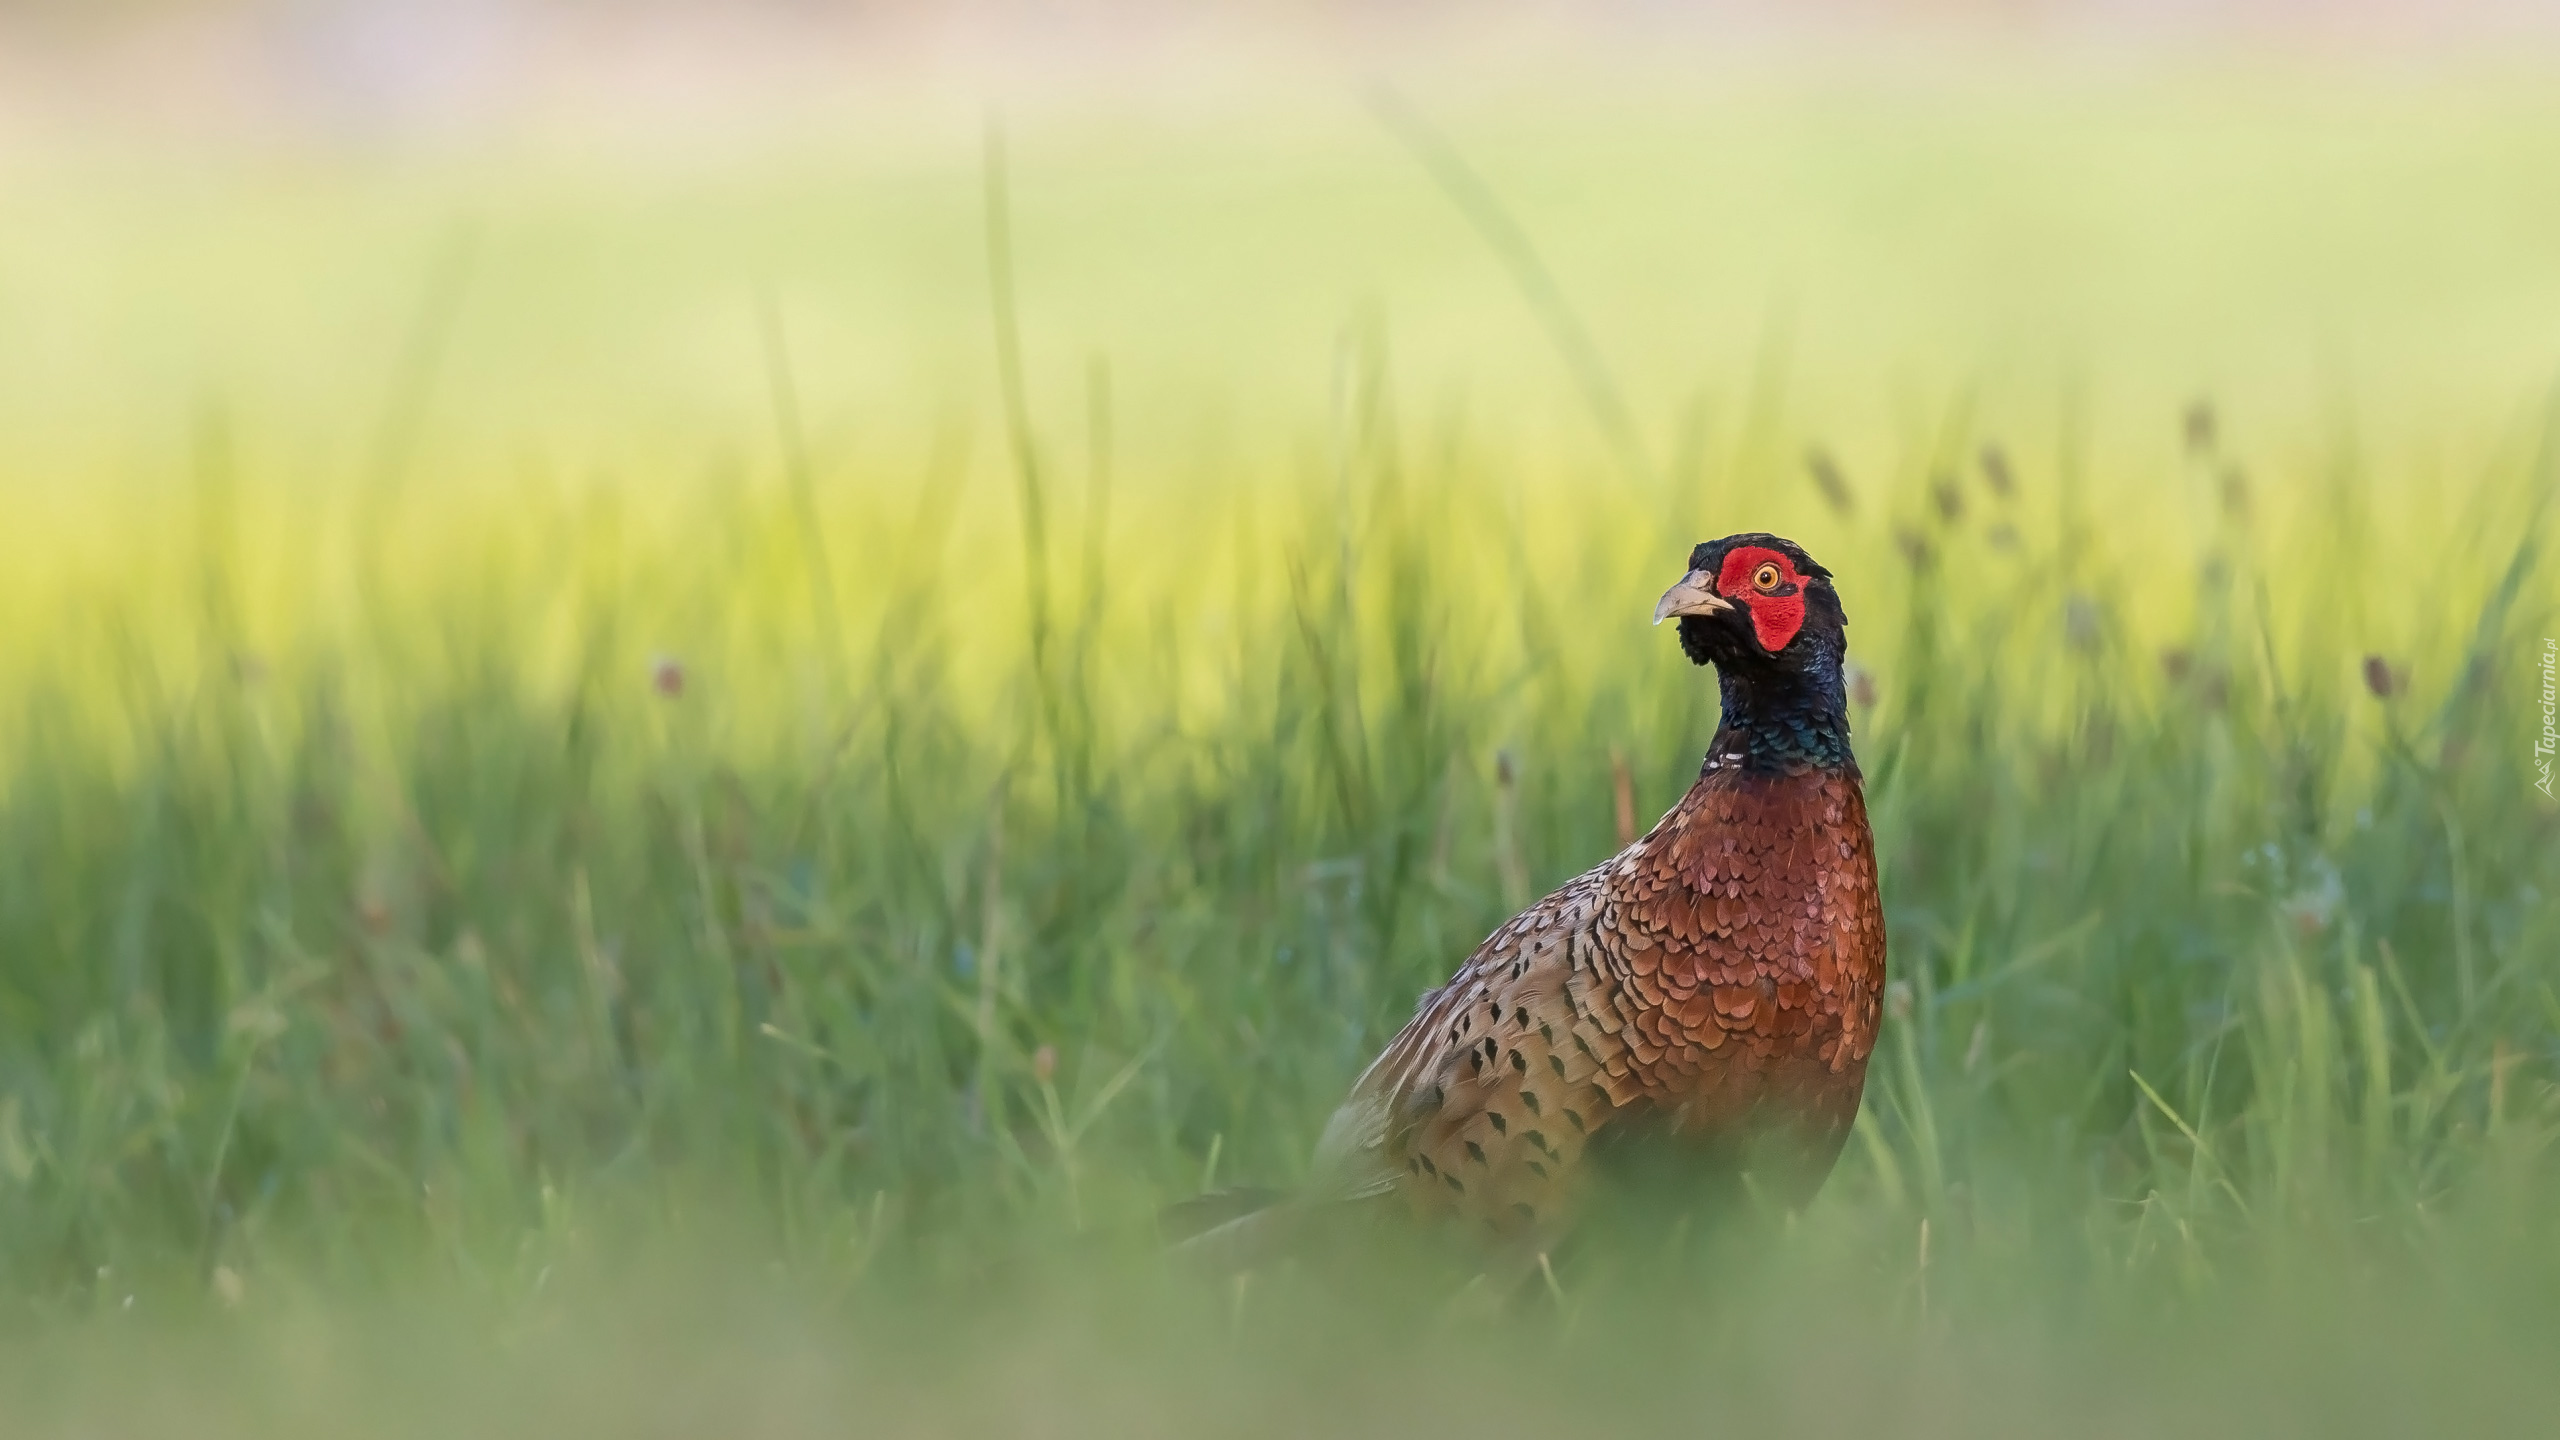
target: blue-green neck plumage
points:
(1791, 719)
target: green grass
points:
(403, 1001)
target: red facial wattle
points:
(1775, 617)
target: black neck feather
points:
(1785, 720)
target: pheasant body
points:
(1712, 992)
(1719, 981)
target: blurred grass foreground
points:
(631, 799)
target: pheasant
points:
(1704, 1001)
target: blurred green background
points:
(689, 699)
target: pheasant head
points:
(1763, 612)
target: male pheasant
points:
(1702, 1002)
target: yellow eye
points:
(1766, 577)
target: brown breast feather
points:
(1723, 971)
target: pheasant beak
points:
(1694, 595)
